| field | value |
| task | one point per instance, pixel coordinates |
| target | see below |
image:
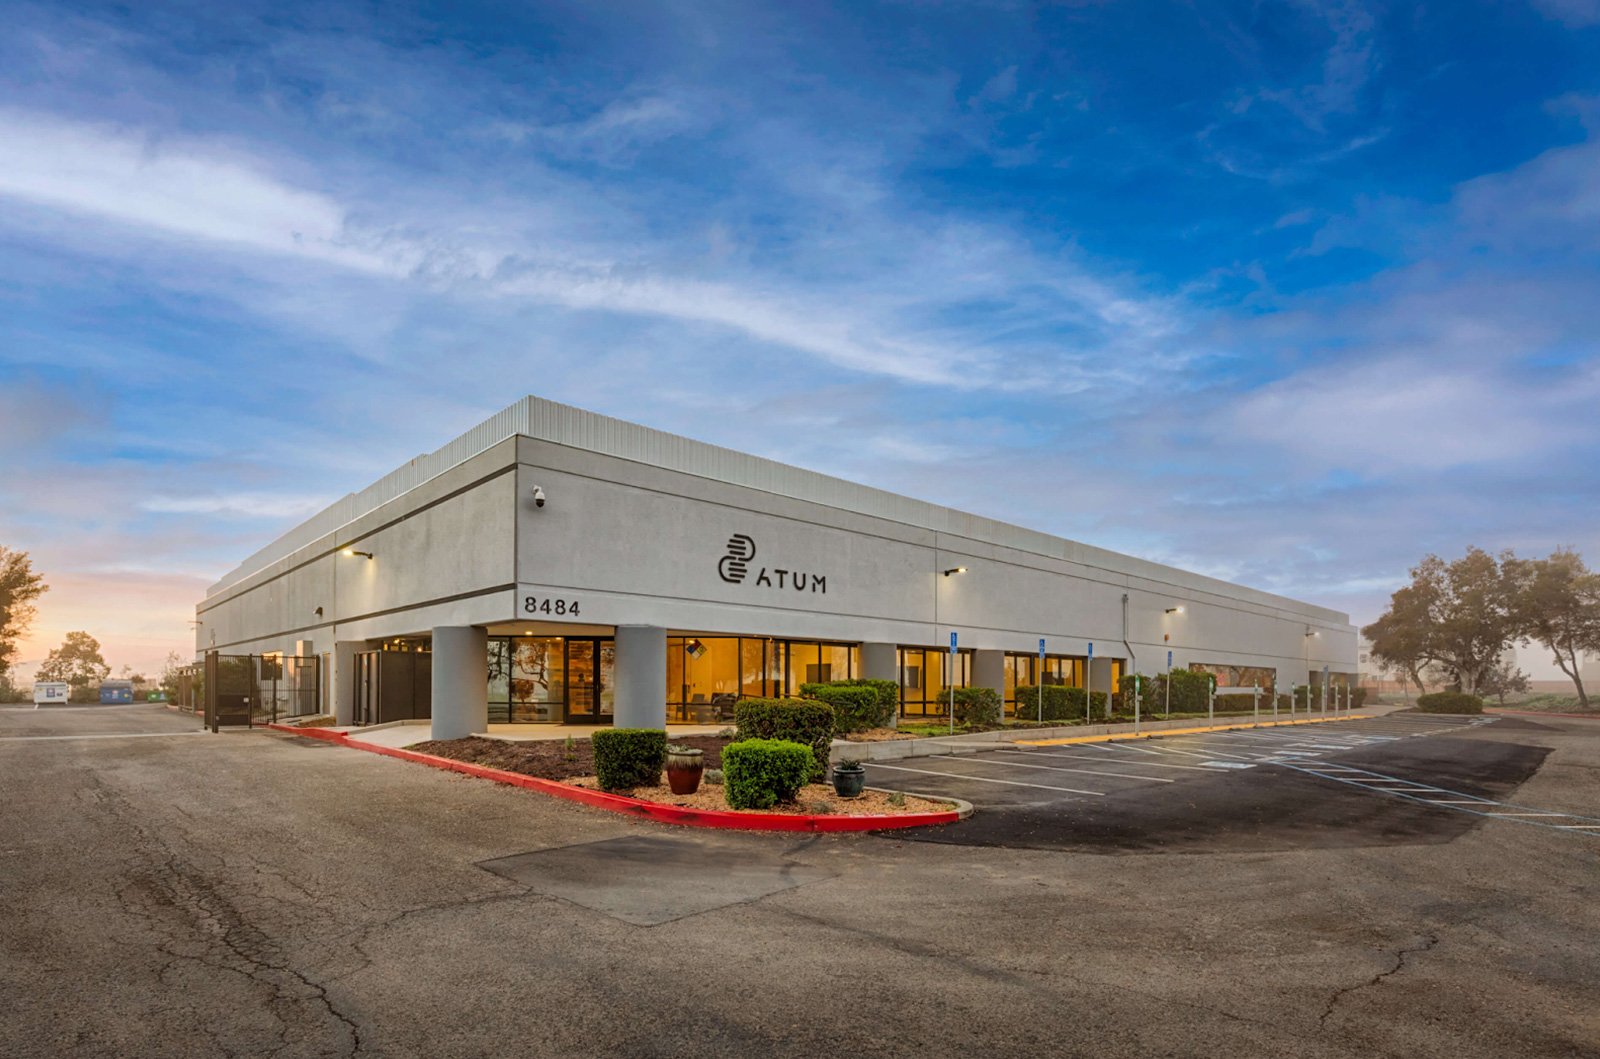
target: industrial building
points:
(554, 565)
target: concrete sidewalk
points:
(404, 733)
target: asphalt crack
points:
(1429, 940)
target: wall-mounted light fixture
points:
(352, 551)
(955, 570)
(319, 612)
(1174, 610)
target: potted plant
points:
(685, 765)
(848, 779)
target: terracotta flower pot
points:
(684, 769)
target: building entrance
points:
(590, 664)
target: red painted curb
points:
(617, 803)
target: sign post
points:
(952, 683)
(1169, 686)
(1088, 703)
(1136, 704)
(1325, 689)
(1255, 701)
(1211, 701)
(1040, 675)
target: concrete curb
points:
(666, 814)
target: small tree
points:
(19, 587)
(1556, 602)
(171, 673)
(1505, 679)
(77, 662)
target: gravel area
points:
(548, 759)
(810, 800)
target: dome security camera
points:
(538, 497)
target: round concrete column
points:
(640, 676)
(880, 661)
(989, 670)
(460, 681)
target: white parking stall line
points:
(983, 760)
(984, 779)
(1514, 814)
(111, 735)
(1530, 814)
(1090, 757)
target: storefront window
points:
(924, 680)
(538, 678)
(499, 680)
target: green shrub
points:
(1191, 692)
(1449, 702)
(857, 704)
(804, 721)
(978, 707)
(1358, 698)
(625, 758)
(760, 773)
(1060, 703)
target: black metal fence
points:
(247, 690)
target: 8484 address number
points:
(546, 605)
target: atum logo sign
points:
(735, 566)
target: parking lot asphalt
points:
(1240, 791)
(255, 894)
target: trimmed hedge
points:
(805, 721)
(1449, 702)
(760, 773)
(625, 758)
(978, 706)
(1060, 703)
(857, 704)
(1190, 692)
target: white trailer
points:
(50, 691)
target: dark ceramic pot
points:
(847, 782)
(684, 770)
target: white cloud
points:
(238, 505)
(1574, 13)
(869, 320)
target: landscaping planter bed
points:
(547, 758)
(815, 799)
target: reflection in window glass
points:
(499, 680)
(538, 684)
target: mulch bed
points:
(813, 799)
(547, 758)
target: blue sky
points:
(1287, 292)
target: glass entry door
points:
(589, 668)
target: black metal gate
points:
(246, 690)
